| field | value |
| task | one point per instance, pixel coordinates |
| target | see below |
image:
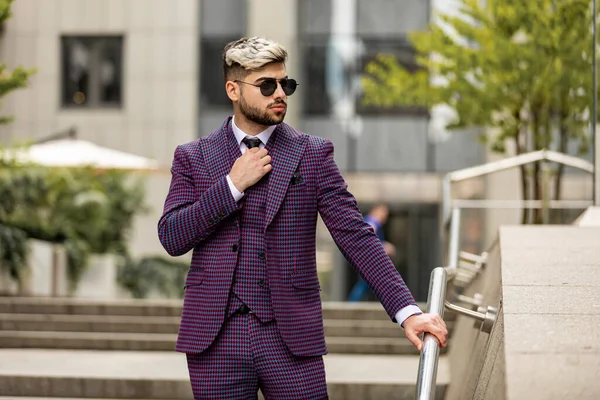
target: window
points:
(314, 80)
(212, 83)
(317, 83)
(223, 21)
(92, 71)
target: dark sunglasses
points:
(268, 86)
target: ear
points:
(233, 90)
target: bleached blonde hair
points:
(249, 54)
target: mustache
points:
(276, 103)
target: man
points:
(245, 199)
(377, 217)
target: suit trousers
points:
(247, 355)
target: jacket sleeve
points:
(187, 219)
(355, 238)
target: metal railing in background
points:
(463, 267)
(544, 156)
(452, 208)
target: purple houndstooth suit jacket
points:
(200, 214)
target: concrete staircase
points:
(73, 348)
(358, 328)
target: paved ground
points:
(172, 366)
(551, 305)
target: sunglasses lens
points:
(267, 87)
(289, 86)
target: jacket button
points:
(261, 282)
(261, 256)
(234, 248)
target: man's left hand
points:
(430, 323)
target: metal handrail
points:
(453, 252)
(430, 352)
(504, 164)
(470, 313)
(436, 304)
(511, 204)
(517, 161)
(451, 209)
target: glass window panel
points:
(212, 84)
(314, 81)
(92, 71)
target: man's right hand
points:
(249, 168)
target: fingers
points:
(440, 336)
(437, 328)
(254, 150)
(259, 152)
(265, 160)
(414, 339)
(262, 157)
(435, 325)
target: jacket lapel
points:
(221, 151)
(285, 149)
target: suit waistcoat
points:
(250, 282)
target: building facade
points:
(143, 76)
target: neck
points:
(247, 126)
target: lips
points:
(278, 107)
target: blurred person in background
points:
(377, 218)
(245, 199)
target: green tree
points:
(519, 70)
(18, 77)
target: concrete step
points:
(88, 323)
(366, 328)
(159, 375)
(53, 305)
(166, 308)
(179, 390)
(136, 324)
(372, 345)
(56, 398)
(166, 342)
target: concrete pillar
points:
(277, 20)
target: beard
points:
(261, 117)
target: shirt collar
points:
(240, 135)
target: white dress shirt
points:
(239, 136)
(264, 136)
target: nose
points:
(279, 93)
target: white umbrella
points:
(79, 153)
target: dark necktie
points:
(251, 142)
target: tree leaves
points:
(13, 251)
(19, 77)
(515, 66)
(155, 273)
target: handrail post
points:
(430, 353)
(453, 252)
(446, 200)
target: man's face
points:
(263, 110)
